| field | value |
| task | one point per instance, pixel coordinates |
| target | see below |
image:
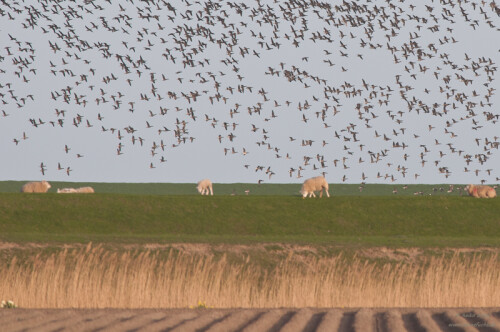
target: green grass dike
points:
(408, 221)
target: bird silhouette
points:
(218, 59)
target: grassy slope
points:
(371, 220)
(239, 188)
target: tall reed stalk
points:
(93, 277)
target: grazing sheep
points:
(66, 190)
(85, 190)
(314, 184)
(36, 187)
(480, 191)
(204, 186)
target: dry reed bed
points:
(96, 278)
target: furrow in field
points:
(169, 321)
(314, 322)
(46, 318)
(135, 322)
(75, 317)
(427, 321)
(445, 323)
(298, 321)
(347, 322)
(101, 322)
(266, 321)
(394, 321)
(412, 323)
(330, 321)
(486, 321)
(235, 321)
(364, 321)
(457, 319)
(202, 322)
(12, 317)
(380, 322)
(284, 319)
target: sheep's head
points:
(46, 184)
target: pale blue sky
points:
(471, 51)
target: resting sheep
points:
(204, 186)
(480, 191)
(36, 187)
(85, 190)
(82, 190)
(314, 184)
(66, 190)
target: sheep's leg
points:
(313, 194)
(211, 191)
(327, 194)
(321, 193)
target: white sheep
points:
(36, 187)
(204, 186)
(314, 184)
(480, 191)
(66, 190)
(85, 190)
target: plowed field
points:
(245, 320)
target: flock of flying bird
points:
(276, 84)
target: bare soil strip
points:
(202, 322)
(40, 322)
(394, 321)
(250, 320)
(426, 320)
(330, 321)
(14, 319)
(265, 321)
(236, 321)
(137, 321)
(298, 321)
(72, 322)
(456, 320)
(412, 324)
(364, 320)
(347, 321)
(169, 321)
(104, 322)
(482, 320)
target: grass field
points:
(239, 188)
(266, 249)
(370, 220)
